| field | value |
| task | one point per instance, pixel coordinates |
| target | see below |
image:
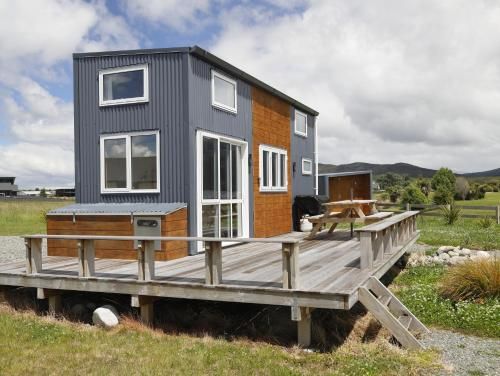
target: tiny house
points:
(177, 141)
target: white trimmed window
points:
(300, 123)
(123, 85)
(130, 163)
(224, 92)
(307, 166)
(272, 169)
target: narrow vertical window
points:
(273, 169)
(115, 163)
(300, 123)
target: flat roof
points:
(207, 56)
(347, 173)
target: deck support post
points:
(146, 260)
(146, 307)
(33, 255)
(387, 240)
(213, 263)
(366, 250)
(86, 258)
(54, 299)
(290, 254)
(303, 318)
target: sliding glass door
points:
(222, 194)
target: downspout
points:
(316, 187)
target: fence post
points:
(213, 262)
(408, 206)
(498, 215)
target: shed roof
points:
(118, 209)
(346, 173)
(212, 59)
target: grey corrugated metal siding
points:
(203, 116)
(302, 147)
(165, 112)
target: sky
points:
(394, 81)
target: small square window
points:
(123, 85)
(300, 123)
(224, 92)
(307, 166)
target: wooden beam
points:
(86, 258)
(33, 256)
(290, 255)
(54, 299)
(213, 263)
(366, 250)
(304, 327)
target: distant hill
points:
(397, 168)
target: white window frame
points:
(304, 170)
(219, 105)
(297, 131)
(128, 157)
(270, 150)
(113, 102)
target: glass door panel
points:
(210, 220)
(225, 220)
(225, 170)
(210, 168)
(236, 220)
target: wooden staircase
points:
(391, 313)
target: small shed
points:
(338, 186)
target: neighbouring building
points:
(8, 186)
(177, 141)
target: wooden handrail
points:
(382, 237)
(163, 238)
(146, 255)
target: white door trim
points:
(245, 214)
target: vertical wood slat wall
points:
(271, 126)
(172, 224)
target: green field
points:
(42, 345)
(26, 216)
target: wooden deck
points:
(331, 271)
(329, 268)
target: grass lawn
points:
(466, 232)
(26, 216)
(490, 199)
(417, 289)
(43, 345)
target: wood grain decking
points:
(329, 267)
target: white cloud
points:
(38, 39)
(180, 15)
(393, 81)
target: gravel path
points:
(12, 248)
(464, 354)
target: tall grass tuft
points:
(485, 222)
(450, 213)
(472, 281)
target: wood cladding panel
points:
(271, 126)
(173, 224)
(339, 188)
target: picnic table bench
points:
(346, 211)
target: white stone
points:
(482, 254)
(444, 256)
(453, 253)
(445, 248)
(105, 317)
(464, 252)
(456, 260)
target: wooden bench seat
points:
(322, 218)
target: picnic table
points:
(346, 211)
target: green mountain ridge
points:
(397, 168)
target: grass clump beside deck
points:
(43, 345)
(26, 216)
(418, 289)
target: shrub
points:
(450, 213)
(413, 195)
(462, 188)
(443, 183)
(472, 280)
(485, 222)
(489, 241)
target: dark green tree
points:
(443, 184)
(412, 194)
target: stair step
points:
(385, 299)
(405, 321)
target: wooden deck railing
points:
(381, 238)
(146, 255)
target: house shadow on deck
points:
(230, 321)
